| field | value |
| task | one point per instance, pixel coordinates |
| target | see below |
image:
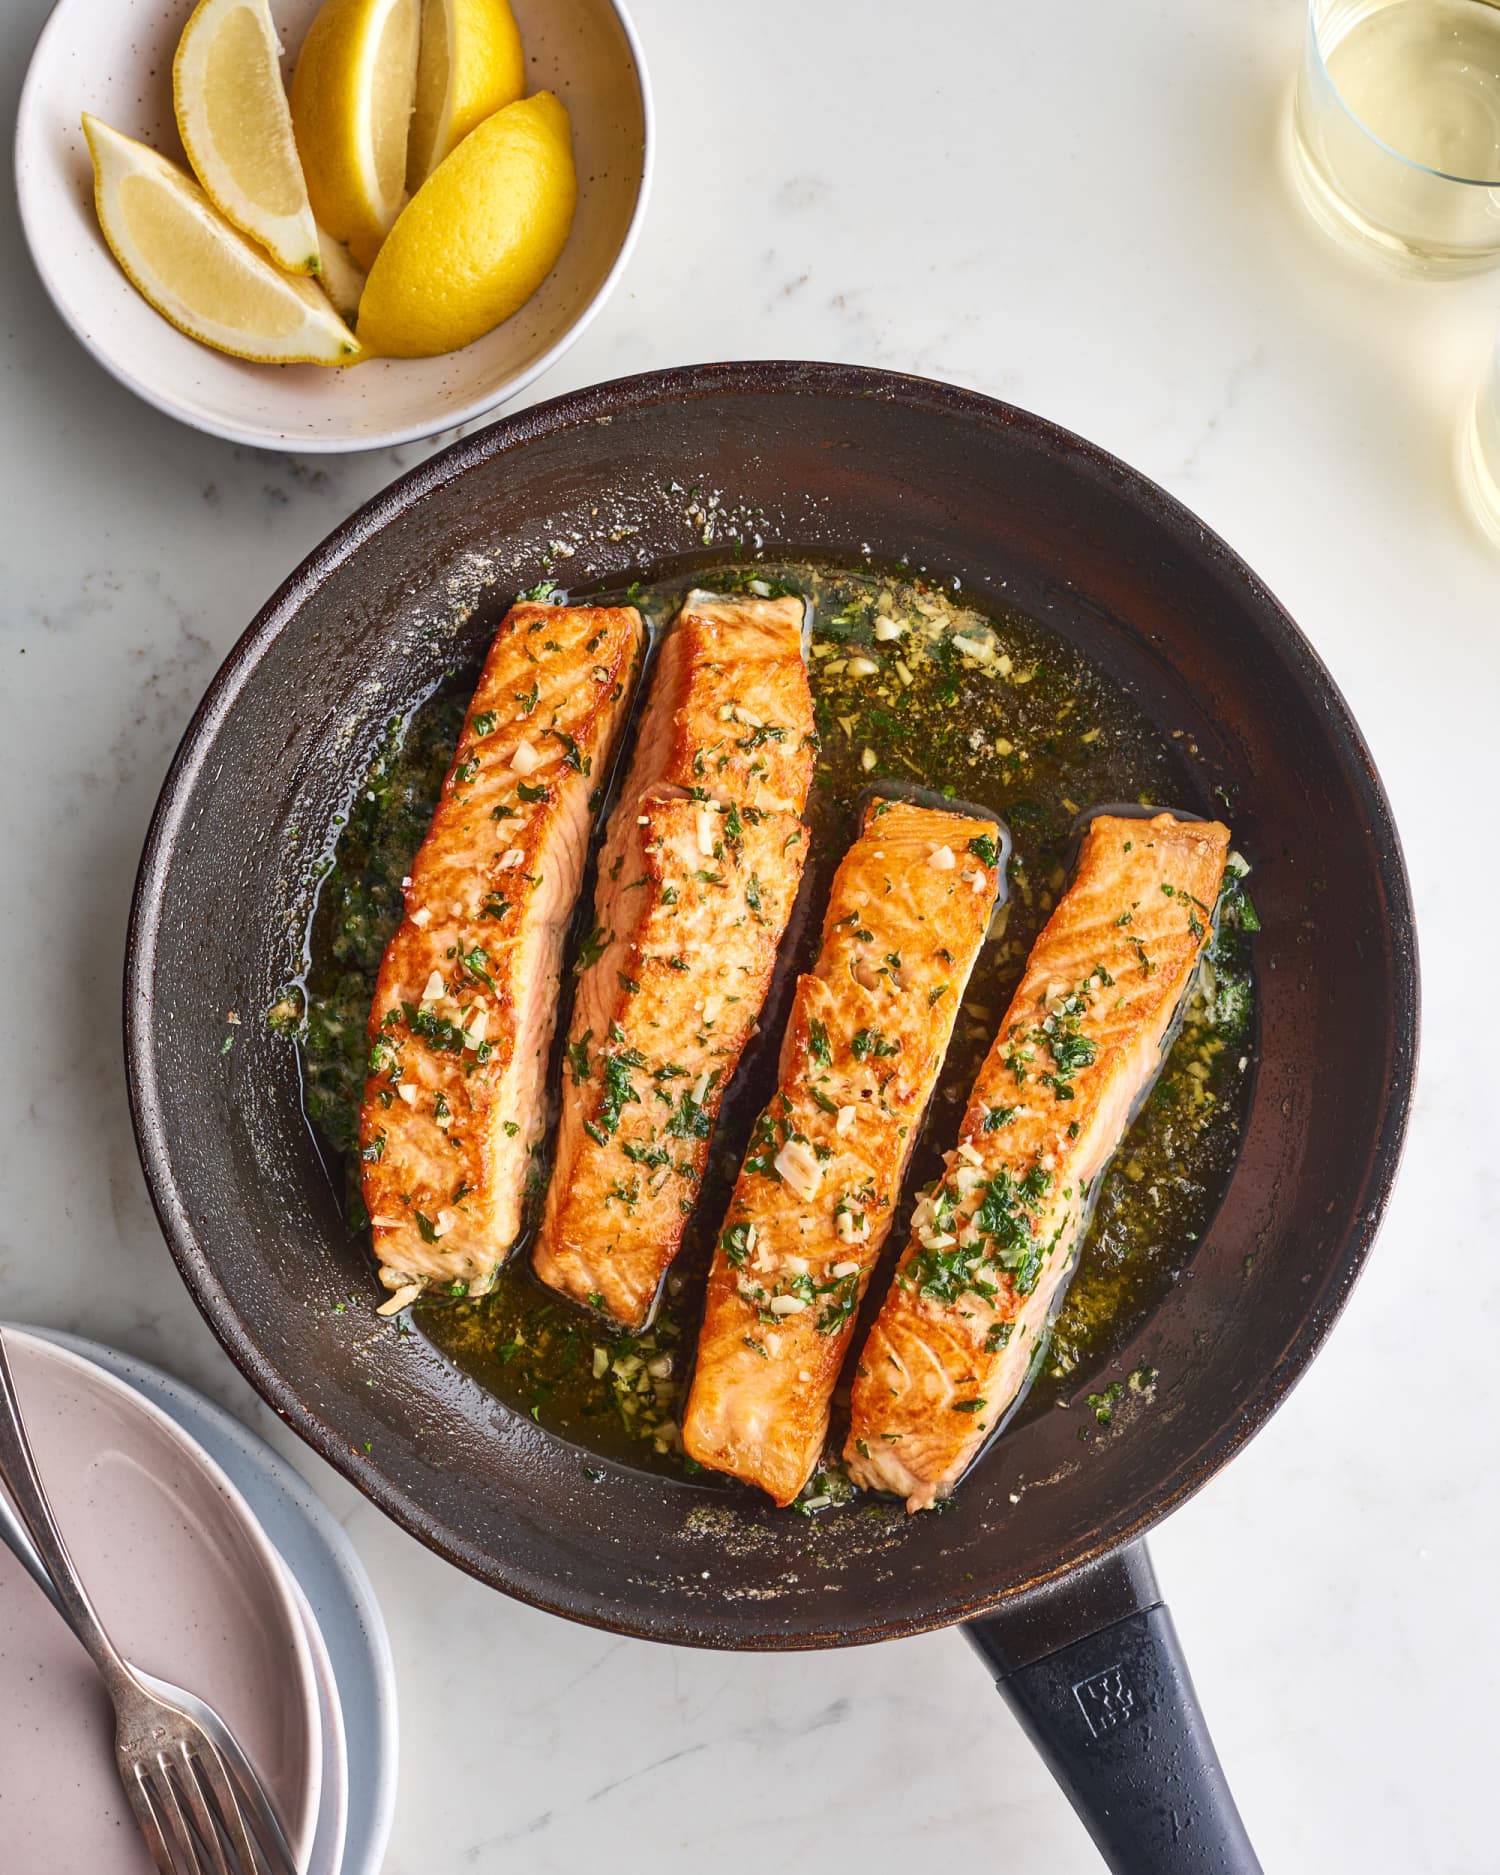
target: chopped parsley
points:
(573, 756)
(476, 964)
(760, 735)
(690, 1120)
(591, 949)
(625, 1194)
(1235, 907)
(438, 1032)
(735, 1243)
(619, 1092)
(764, 1146)
(840, 1298)
(1009, 1243)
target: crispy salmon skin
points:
(994, 1238)
(465, 1001)
(697, 878)
(909, 909)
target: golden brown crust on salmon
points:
(697, 879)
(731, 703)
(466, 997)
(869, 1028)
(994, 1238)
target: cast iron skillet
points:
(830, 462)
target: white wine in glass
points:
(1396, 128)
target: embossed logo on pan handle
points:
(1107, 1700)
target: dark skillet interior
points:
(821, 463)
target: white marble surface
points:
(1079, 209)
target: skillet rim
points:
(578, 409)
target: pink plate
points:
(187, 1586)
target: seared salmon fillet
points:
(993, 1240)
(909, 909)
(466, 999)
(697, 879)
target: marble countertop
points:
(1080, 210)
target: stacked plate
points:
(213, 1565)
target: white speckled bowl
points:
(114, 58)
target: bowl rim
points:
(330, 445)
(579, 409)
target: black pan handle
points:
(1093, 1670)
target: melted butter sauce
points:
(908, 683)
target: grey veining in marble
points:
(1080, 209)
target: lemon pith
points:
(471, 66)
(236, 127)
(478, 238)
(352, 96)
(197, 269)
(340, 276)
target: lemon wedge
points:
(478, 238)
(340, 275)
(237, 128)
(470, 66)
(352, 96)
(198, 270)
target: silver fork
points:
(177, 1774)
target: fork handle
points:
(19, 1475)
(17, 1539)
